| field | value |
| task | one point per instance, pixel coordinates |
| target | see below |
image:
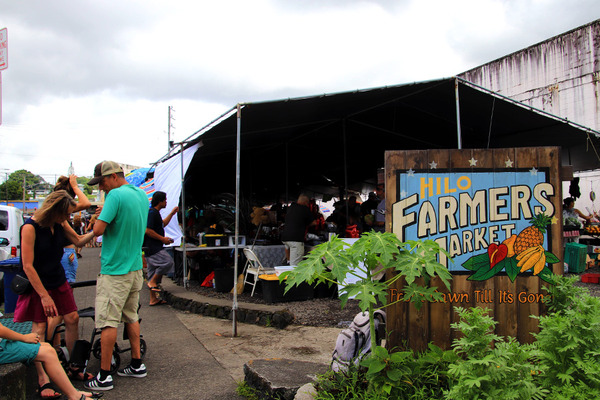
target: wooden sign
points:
(498, 213)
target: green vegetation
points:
(563, 363)
(375, 253)
(12, 188)
(246, 391)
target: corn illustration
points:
(533, 235)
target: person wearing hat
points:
(122, 222)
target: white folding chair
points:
(253, 267)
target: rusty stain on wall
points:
(560, 75)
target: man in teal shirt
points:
(122, 224)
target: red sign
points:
(3, 49)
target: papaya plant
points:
(354, 267)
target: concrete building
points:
(559, 75)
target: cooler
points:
(575, 255)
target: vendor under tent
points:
(332, 143)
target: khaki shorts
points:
(118, 298)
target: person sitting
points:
(17, 347)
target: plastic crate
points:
(590, 278)
(272, 291)
(575, 254)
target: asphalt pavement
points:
(190, 356)
(179, 366)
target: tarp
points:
(149, 188)
(321, 144)
(137, 176)
(168, 178)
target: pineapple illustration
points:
(533, 235)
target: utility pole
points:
(169, 141)
(24, 209)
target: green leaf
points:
(365, 291)
(547, 275)
(485, 273)
(476, 262)
(394, 374)
(551, 258)
(511, 268)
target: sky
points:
(93, 80)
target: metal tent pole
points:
(458, 132)
(185, 278)
(237, 220)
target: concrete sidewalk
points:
(191, 356)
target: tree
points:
(13, 187)
(11, 190)
(83, 180)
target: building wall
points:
(560, 75)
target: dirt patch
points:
(326, 312)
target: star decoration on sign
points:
(533, 171)
(508, 163)
(554, 220)
(403, 194)
(410, 172)
(472, 162)
(433, 165)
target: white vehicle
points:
(11, 220)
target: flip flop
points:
(158, 303)
(155, 288)
(76, 374)
(95, 395)
(48, 386)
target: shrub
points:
(489, 366)
(568, 342)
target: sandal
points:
(155, 288)
(158, 303)
(95, 395)
(48, 386)
(76, 374)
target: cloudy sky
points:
(93, 80)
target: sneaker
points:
(135, 373)
(97, 384)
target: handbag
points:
(20, 285)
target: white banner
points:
(167, 178)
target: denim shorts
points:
(70, 264)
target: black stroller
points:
(83, 348)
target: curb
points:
(13, 381)
(276, 319)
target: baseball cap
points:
(103, 169)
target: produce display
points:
(592, 229)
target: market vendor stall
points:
(270, 256)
